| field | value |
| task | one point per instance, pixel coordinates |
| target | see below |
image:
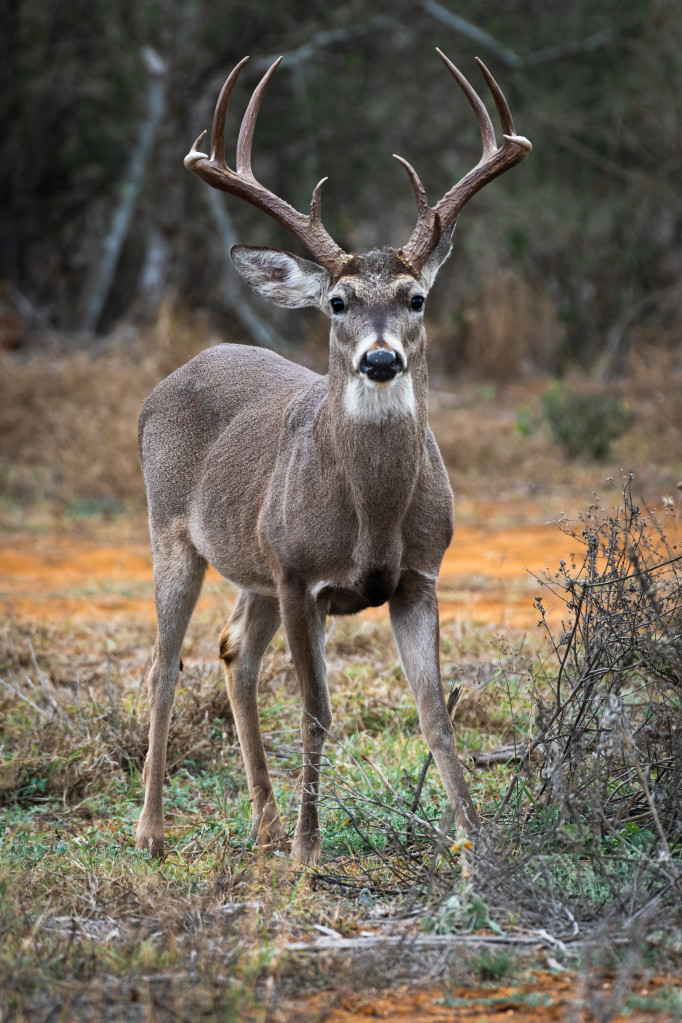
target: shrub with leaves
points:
(584, 423)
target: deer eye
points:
(417, 303)
(337, 305)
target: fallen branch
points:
(503, 755)
(538, 939)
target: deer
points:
(313, 495)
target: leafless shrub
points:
(599, 789)
(590, 830)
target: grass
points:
(87, 920)
(84, 913)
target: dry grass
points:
(512, 330)
(90, 927)
(652, 388)
(68, 423)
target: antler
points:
(308, 229)
(434, 221)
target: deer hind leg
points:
(178, 575)
(414, 618)
(243, 642)
(304, 624)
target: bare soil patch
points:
(541, 996)
(486, 577)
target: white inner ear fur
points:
(436, 259)
(281, 277)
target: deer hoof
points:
(306, 849)
(270, 834)
(150, 841)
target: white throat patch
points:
(370, 402)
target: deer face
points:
(377, 311)
(377, 336)
(376, 307)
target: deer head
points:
(376, 300)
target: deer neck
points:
(377, 449)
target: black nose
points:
(381, 364)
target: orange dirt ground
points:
(60, 575)
(549, 997)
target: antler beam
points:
(434, 221)
(214, 170)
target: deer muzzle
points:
(381, 364)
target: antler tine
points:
(419, 190)
(477, 105)
(245, 140)
(195, 155)
(500, 102)
(428, 220)
(220, 116)
(316, 204)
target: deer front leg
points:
(243, 642)
(414, 618)
(304, 624)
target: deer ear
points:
(281, 277)
(437, 258)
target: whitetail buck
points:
(314, 495)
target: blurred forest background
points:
(570, 263)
